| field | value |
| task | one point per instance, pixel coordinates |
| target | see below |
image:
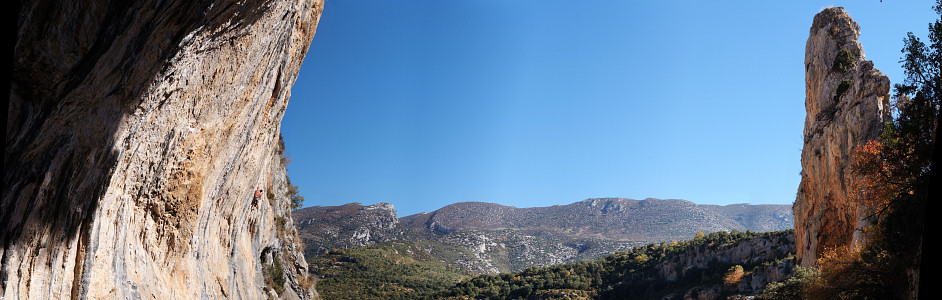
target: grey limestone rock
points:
(137, 133)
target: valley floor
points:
(708, 266)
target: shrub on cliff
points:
(733, 276)
(275, 274)
(791, 288)
(844, 61)
(842, 88)
(850, 273)
(892, 181)
(296, 199)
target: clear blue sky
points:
(425, 103)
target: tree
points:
(296, 199)
(906, 146)
(733, 276)
(790, 288)
(892, 179)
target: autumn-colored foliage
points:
(891, 180)
(879, 172)
(733, 276)
(852, 272)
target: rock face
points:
(847, 101)
(764, 255)
(137, 134)
(346, 226)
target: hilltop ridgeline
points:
(496, 238)
(614, 218)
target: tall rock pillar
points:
(847, 101)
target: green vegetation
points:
(844, 61)
(842, 88)
(285, 160)
(409, 270)
(791, 288)
(633, 274)
(297, 201)
(394, 270)
(275, 274)
(733, 275)
(892, 179)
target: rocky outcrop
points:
(846, 100)
(137, 133)
(492, 238)
(347, 226)
(765, 257)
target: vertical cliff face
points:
(137, 134)
(846, 100)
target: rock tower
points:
(847, 101)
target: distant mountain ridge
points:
(346, 226)
(497, 238)
(610, 218)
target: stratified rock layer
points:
(846, 100)
(137, 134)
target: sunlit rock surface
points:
(347, 226)
(838, 119)
(137, 133)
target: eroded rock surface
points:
(137, 134)
(347, 226)
(846, 100)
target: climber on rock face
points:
(258, 194)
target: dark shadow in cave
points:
(79, 67)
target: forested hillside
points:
(496, 238)
(721, 263)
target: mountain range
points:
(489, 238)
